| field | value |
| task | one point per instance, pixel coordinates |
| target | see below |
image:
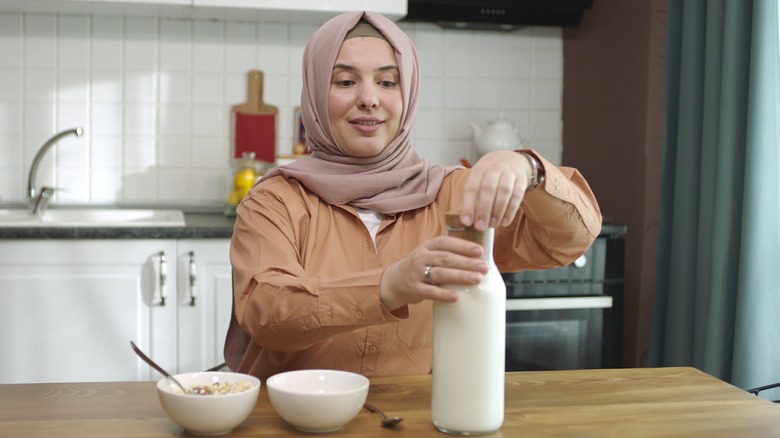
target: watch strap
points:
(537, 171)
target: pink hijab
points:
(393, 181)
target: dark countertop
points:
(196, 226)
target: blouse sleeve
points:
(558, 222)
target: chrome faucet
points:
(38, 199)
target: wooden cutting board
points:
(253, 123)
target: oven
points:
(555, 333)
(569, 317)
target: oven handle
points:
(560, 303)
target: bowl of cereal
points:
(317, 400)
(214, 404)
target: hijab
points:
(393, 181)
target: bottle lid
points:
(456, 229)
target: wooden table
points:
(585, 403)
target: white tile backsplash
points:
(172, 185)
(10, 157)
(140, 43)
(154, 96)
(106, 119)
(77, 190)
(207, 88)
(38, 122)
(40, 41)
(174, 119)
(106, 85)
(39, 85)
(140, 86)
(106, 42)
(73, 85)
(105, 152)
(174, 87)
(139, 119)
(459, 92)
(139, 185)
(10, 179)
(207, 120)
(109, 187)
(73, 42)
(11, 40)
(173, 152)
(10, 121)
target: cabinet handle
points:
(192, 275)
(163, 277)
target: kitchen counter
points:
(640, 402)
(196, 226)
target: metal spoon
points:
(386, 421)
(154, 365)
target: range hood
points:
(497, 14)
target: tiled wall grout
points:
(154, 96)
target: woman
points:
(338, 256)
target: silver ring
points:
(427, 274)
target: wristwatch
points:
(537, 171)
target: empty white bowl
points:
(317, 400)
(208, 414)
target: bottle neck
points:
(487, 244)
(483, 238)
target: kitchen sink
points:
(92, 217)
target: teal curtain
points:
(717, 303)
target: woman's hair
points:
(364, 29)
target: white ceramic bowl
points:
(208, 414)
(317, 400)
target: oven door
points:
(556, 333)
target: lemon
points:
(244, 179)
(234, 198)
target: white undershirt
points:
(371, 220)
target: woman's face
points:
(365, 103)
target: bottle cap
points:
(456, 229)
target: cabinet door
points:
(70, 308)
(204, 302)
(300, 11)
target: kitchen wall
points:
(154, 94)
(616, 59)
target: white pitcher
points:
(500, 134)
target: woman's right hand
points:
(452, 261)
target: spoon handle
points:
(386, 421)
(154, 365)
(375, 410)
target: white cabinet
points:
(292, 11)
(69, 308)
(204, 303)
(165, 8)
(299, 11)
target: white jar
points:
(469, 347)
(499, 135)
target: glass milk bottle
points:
(468, 348)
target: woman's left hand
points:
(494, 189)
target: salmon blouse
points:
(306, 273)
